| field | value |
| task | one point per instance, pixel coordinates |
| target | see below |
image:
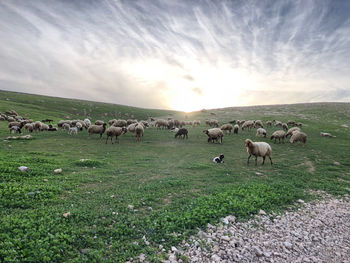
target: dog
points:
(219, 159)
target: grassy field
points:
(129, 198)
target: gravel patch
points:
(316, 232)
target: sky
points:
(177, 54)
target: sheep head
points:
(248, 143)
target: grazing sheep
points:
(99, 122)
(161, 124)
(258, 123)
(261, 132)
(177, 124)
(15, 129)
(268, 123)
(298, 136)
(289, 122)
(227, 127)
(326, 134)
(139, 129)
(120, 123)
(115, 131)
(196, 123)
(214, 134)
(171, 124)
(44, 127)
(291, 130)
(257, 149)
(97, 129)
(145, 124)
(15, 123)
(212, 123)
(285, 126)
(37, 126)
(247, 125)
(11, 119)
(87, 123)
(73, 130)
(280, 135)
(65, 126)
(277, 123)
(131, 127)
(79, 126)
(219, 159)
(29, 127)
(235, 129)
(182, 133)
(110, 122)
(298, 124)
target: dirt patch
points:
(311, 168)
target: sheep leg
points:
(256, 160)
(249, 158)
(270, 160)
(263, 160)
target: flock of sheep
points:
(215, 133)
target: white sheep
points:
(277, 123)
(139, 130)
(29, 127)
(260, 132)
(298, 136)
(65, 126)
(44, 127)
(257, 149)
(79, 126)
(99, 122)
(285, 126)
(37, 126)
(73, 130)
(120, 123)
(115, 131)
(280, 135)
(258, 123)
(87, 123)
(268, 123)
(131, 127)
(247, 125)
(235, 129)
(97, 129)
(227, 127)
(291, 130)
(214, 134)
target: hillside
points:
(134, 198)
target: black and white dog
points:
(219, 159)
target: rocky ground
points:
(316, 232)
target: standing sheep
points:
(280, 134)
(73, 130)
(139, 129)
(285, 126)
(257, 149)
(97, 129)
(235, 129)
(261, 132)
(298, 136)
(227, 127)
(87, 123)
(291, 130)
(214, 134)
(258, 123)
(247, 125)
(115, 131)
(99, 122)
(182, 133)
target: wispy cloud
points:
(180, 54)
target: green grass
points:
(172, 184)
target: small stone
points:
(225, 238)
(131, 207)
(113, 213)
(301, 201)
(262, 212)
(257, 251)
(225, 221)
(84, 250)
(23, 169)
(66, 214)
(257, 173)
(174, 249)
(45, 180)
(142, 257)
(267, 254)
(216, 258)
(288, 245)
(336, 163)
(58, 171)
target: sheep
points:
(171, 124)
(29, 127)
(326, 134)
(182, 133)
(51, 128)
(277, 123)
(196, 122)
(87, 123)
(130, 121)
(212, 123)
(15, 129)
(15, 123)
(280, 134)
(247, 125)
(298, 124)
(79, 126)
(289, 122)
(258, 123)
(120, 123)
(219, 159)
(73, 130)
(44, 127)
(214, 134)
(11, 119)
(161, 124)
(37, 126)
(61, 122)
(145, 124)
(177, 124)
(298, 136)
(115, 131)
(257, 149)
(65, 126)
(227, 127)
(139, 129)
(268, 123)
(110, 122)
(291, 130)
(97, 129)
(99, 122)
(175, 129)
(260, 132)
(235, 129)
(285, 126)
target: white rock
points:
(23, 169)
(288, 245)
(262, 212)
(58, 171)
(225, 238)
(257, 251)
(131, 207)
(174, 249)
(216, 258)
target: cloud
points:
(142, 52)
